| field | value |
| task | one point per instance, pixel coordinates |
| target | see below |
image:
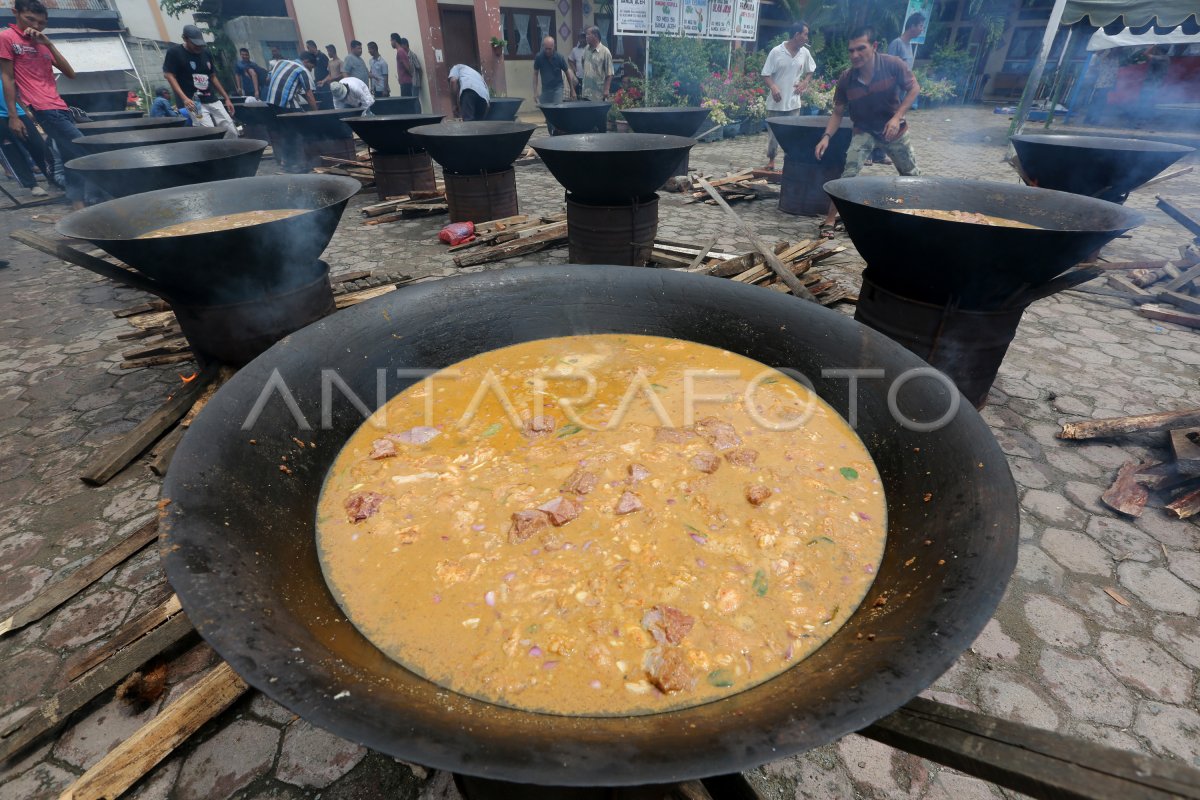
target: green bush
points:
(832, 58)
(951, 62)
(686, 61)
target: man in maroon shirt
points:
(27, 59)
(877, 91)
(404, 66)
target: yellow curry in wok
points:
(601, 525)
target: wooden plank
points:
(1126, 495)
(1025, 759)
(157, 361)
(164, 451)
(529, 244)
(1181, 301)
(1162, 477)
(353, 298)
(142, 308)
(159, 348)
(54, 711)
(1123, 284)
(1171, 315)
(1185, 443)
(59, 592)
(115, 456)
(773, 261)
(1192, 274)
(65, 252)
(127, 635)
(133, 758)
(1177, 173)
(1185, 504)
(347, 277)
(1142, 423)
(702, 254)
(1180, 215)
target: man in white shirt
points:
(351, 93)
(787, 71)
(468, 93)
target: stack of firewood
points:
(360, 168)
(742, 185)
(509, 237)
(1162, 290)
(1176, 482)
(414, 204)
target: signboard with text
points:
(706, 19)
(632, 16)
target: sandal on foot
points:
(827, 230)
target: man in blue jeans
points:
(27, 62)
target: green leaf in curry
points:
(491, 430)
(760, 583)
(849, 473)
(569, 430)
(720, 677)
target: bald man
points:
(551, 67)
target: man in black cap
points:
(189, 70)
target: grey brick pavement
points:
(1060, 653)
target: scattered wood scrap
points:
(517, 240)
(1178, 480)
(744, 185)
(361, 168)
(528, 156)
(1126, 495)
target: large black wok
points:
(798, 136)
(103, 100)
(123, 125)
(257, 114)
(103, 142)
(584, 116)
(671, 120)
(471, 148)
(317, 125)
(1095, 166)
(977, 266)
(225, 265)
(503, 109)
(396, 105)
(104, 116)
(600, 168)
(389, 134)
(238, 539)
(147, 169)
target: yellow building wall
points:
(320, 21)
(376, 22)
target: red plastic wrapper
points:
(457, 233)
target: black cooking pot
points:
(103, 142)
(105, 116)
(503, 109)
(798, 136)
(239, 544)
(147, 169)
(318, 125)
(977, 267)
(671, 120)
(1095, 166)
(103, 100)
(472, 148)
(580, 116)
(600, 168)
(222, 266)
(387, 106)
(389, 134)
(123, 125)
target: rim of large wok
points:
(172, 154)
(104, 126)
(102, 222)
(867, 190)
(475, 128)
(218, 587)
(612, 143)
(154, 136)
(382, 133)
(1103, 143)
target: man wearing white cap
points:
(189, 70)
(351, 93)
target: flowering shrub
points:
(628, 97)
(742, 96)
(716, 112)
(818, 95)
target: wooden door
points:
(458, 36)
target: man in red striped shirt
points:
(27, 62)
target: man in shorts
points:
(877, 91)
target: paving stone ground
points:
(1060, 653)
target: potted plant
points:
(498, 46)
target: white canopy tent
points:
(1126, 38)
(1134, 13)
